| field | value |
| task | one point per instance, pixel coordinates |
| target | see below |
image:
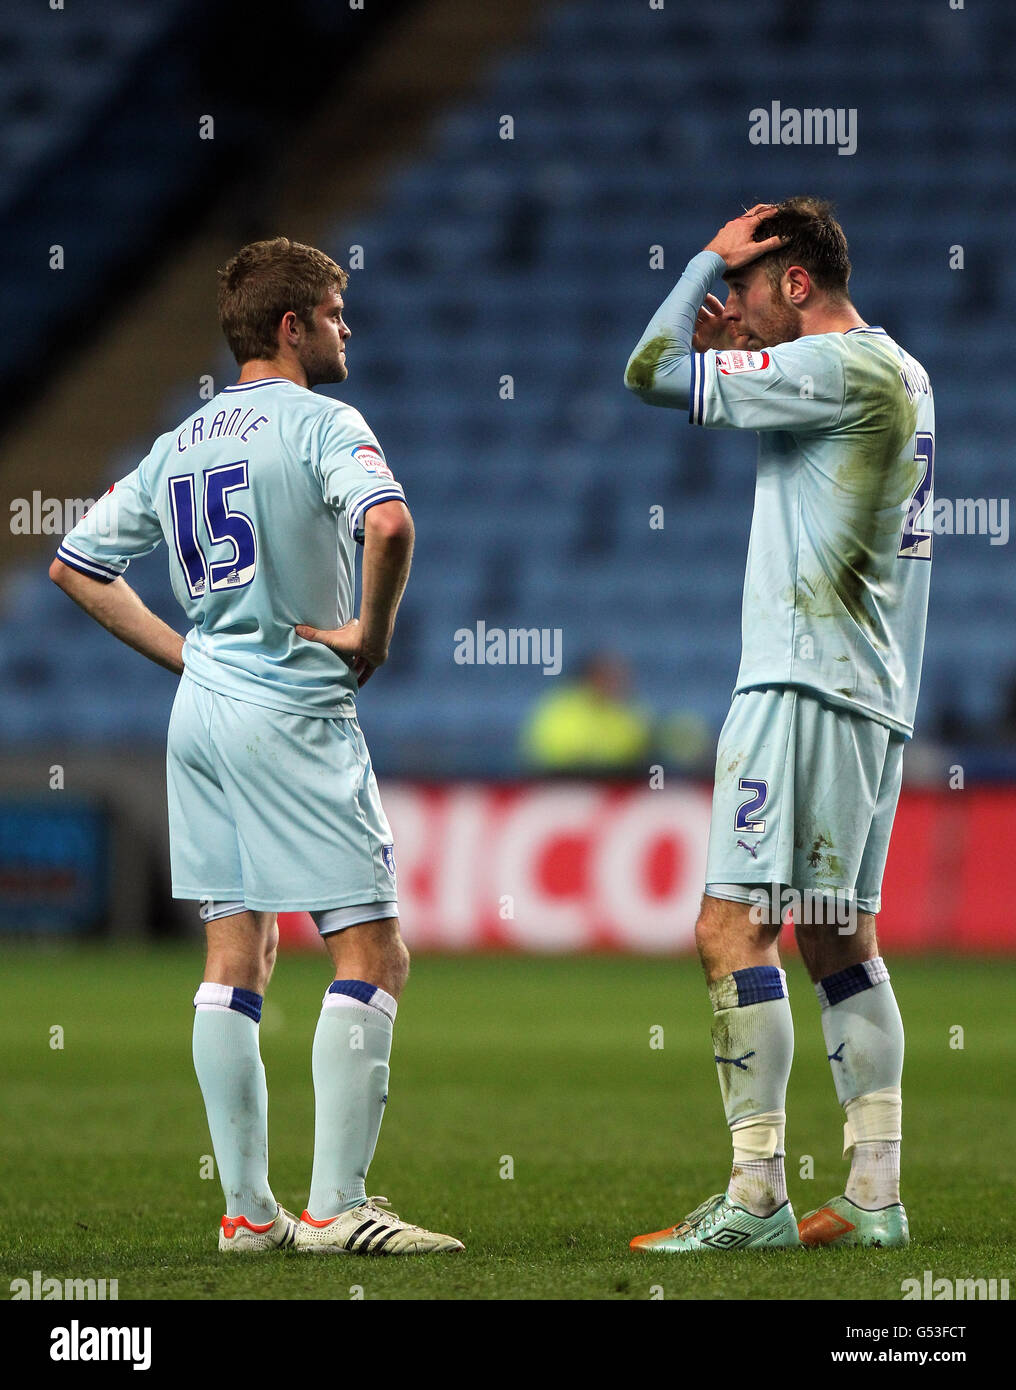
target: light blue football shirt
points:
(260, 497)
(839, 558)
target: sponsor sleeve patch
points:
(730, 363)
(372, 460)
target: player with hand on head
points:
(809, 760)
(262, 496)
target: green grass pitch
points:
(544, 1066)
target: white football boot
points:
(240, 1236)
(367, 1230)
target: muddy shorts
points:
(804, 798)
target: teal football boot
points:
(720, 1225)
(841, 1223)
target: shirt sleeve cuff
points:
(96, 569)
(697, 394)
(360, 508)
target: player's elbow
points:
(642, 391)
(638, 379)
(630, 379)
(650, 390)
(391, 523)
(58, 572)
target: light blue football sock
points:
(227, 1059)
(753, 1046)
(352, 1046)
(863, 1032)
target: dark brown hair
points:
(815, 241)
(265, 280)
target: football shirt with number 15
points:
(260, 497)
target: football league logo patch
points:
(372, 460)
(388, 858)
(729, 363)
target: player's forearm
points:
(387, 556)
(120, 611)
(659, 370)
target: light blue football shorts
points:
(805, 798)
(277, 811)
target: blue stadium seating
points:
(487, 258)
